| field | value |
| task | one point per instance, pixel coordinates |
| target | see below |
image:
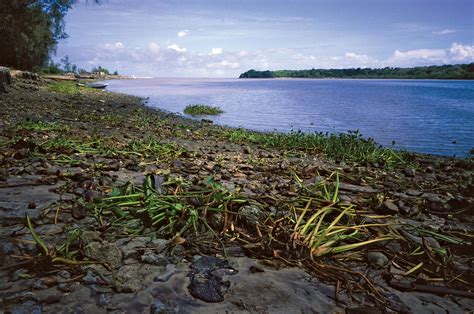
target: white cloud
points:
(183, 33)
(456, 53)
(116, 46)
(460, 52)
(173, 60)
(357, 57)
(428, 54)
(216, 51)
(175, 47)
(224, 64)
(154, 47)
(444, 32)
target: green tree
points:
(100, 69)
(67, 66)
(30, 31)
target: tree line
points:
(455, 71)
(66, 66)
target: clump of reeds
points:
(201, 109)
(343, 147)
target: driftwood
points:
(5, 78)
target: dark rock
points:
(356, 188)
(79, 191)
(53, 298)
(91, 278)
(5, 78)
(432, 197)
(132, 248)
(90, 195)
(79, 212)
(389, 207)
(207, 283)
(64, 274)
(256, 269)
(459, 203)
(167, 274)
(409, 172)
(365, 310)
(114, 165)
(345, 198)
(66, 287)
(19, 297)
(159, 307)
(28, 307)
(394, 247)
(377, 259)
(154, 259)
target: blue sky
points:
(223, 38)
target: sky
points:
(223, 38)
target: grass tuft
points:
(40, 126)
(66, 87)
(343, 147)
(200, 109)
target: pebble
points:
(389, 207)
(377, 259)
(154, 259)
(79, 212)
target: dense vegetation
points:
(457, 71)
(30, 31)
(200, 109)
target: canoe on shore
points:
(94, 85)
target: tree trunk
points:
(5, 78)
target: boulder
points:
(5, 78)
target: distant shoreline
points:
(446, 72)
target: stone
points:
(154, 259)
(131, 248)
(409, 172)
(5, 79)
(252, 214)
(29, 307)
(356, 188)
(158, 307)
(377, 259)
(104, 252)
(90, 236)
(128, 279)
(389, 207)
(206, 282)
(79, 212)
(15, 200)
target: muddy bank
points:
(82, 164)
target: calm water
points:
(429, 116)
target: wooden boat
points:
(97, 85)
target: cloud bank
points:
(175, 60)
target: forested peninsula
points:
(455, 71)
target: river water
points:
(428, 116)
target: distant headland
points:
(455, 71)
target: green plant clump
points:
(343, 147)
(200, 109)
(67, 87)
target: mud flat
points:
(106, 205)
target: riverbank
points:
(308, 221)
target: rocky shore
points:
(109, 206)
